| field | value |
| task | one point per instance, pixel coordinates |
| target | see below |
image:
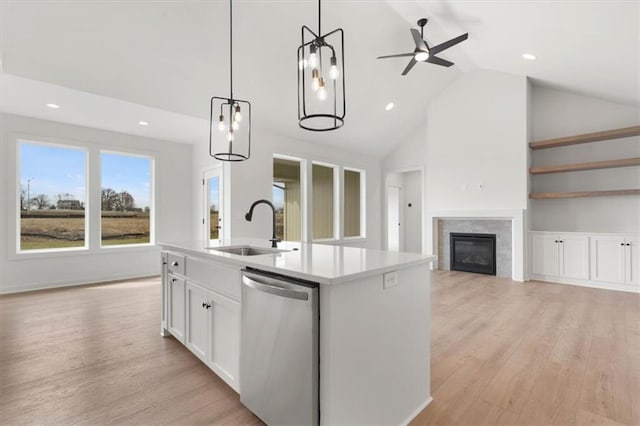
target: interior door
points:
(213, 206)
(393, 218)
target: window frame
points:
(19, 141)
(363, 205)
(304, 191)
(152, 198)
(337, 204)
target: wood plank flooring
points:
(502, 353)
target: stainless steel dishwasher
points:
(279, 379)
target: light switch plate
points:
(390, 279)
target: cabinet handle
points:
(204, 305)
(207, 305)
(174, 263)
(173, 280)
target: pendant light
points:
(321, 100)
(230, 118)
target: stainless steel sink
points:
(247, 250)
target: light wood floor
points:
(502, 353)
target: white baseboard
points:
(76, 282)
(587, 283)
(417, 411)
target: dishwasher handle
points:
(274, 289)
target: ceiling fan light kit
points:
(423, 52)
(321, 88)
(228, 139)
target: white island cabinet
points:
(374, 321)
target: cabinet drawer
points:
(176, 264)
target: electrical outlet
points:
(390, 279)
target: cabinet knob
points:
(628, 244)
(561, 241)
(204, 305)
(173, 280)
(557, 241)
(174, 263)
(621, 244)
(207, 305)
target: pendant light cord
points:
(319, 15)
(231, 47)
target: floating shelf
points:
(607, 164)
(586, 138)
(554, 195)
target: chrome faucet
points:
(249, 216)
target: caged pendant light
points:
(321, 99)
(230, 118)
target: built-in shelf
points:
(555, 195)
(593, 165)
(586, 138)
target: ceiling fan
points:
(424, 53)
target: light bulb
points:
(235, 125)
(221, 123)
(315, 80)
(230, 136)
(313, 57)
(421, 56)
(322, 92)
(302, 64)
(333, 71)
(237, 116)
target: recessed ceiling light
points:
(53, 106)
(529, 56)
(143, 123)
(389, 106)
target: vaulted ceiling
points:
(173, 56)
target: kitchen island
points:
(374, 309)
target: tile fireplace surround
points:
(500, 227)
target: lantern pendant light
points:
(321, 98)
(230, 118)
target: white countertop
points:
(325, 264)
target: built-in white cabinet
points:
(560, 255)
(203, 311)
(615, 259)
(197, 327)
(176, 311)
(596, 260)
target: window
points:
(212, 219)
(52, 196)
(126, 199)
(353, 197)
(323, 190)
(287, 198)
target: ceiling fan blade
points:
(417, 38)
(447, 44)
(399, 55)
(412, 62)
(439, 61)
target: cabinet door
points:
(544, 254)
(176, 312)
(607, 259)
(197, 327)
(224, 350)
(574, 256)
(632, 261)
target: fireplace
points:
(473, 253)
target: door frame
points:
(423, 216)
(206, 217)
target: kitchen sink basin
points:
(248, 250)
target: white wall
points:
(557, 113)
(251, 180)
(173, 202)
(474, 151)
